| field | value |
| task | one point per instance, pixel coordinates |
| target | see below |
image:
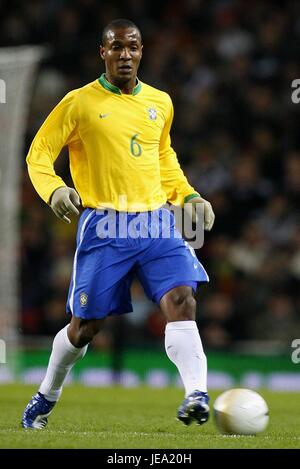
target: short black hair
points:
(116, 24)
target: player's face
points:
(122, 53)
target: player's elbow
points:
(32, 155)
(28, 160)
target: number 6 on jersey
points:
(135, 147)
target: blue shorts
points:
(106, 261)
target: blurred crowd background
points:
(228, 66)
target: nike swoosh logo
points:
(103, 115)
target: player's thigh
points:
(105, 292)
(169, 263)
(101, 277)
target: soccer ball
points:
(241, 412)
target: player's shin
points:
(184, 348)
(63, 357)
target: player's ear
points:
(102, 52)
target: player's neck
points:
(126, 88)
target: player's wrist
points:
(191, 196)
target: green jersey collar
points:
(114, 89)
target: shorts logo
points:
(152, 113)
(83, 299)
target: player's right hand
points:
(64, 201)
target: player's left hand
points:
(209, 216)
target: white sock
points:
(64, 355)
(184, 348)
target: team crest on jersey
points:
(152, 113)
(83, 299)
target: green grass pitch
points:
(136, 418)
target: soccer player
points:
(117, 129)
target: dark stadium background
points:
(228, 66)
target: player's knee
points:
(81, 339)
(82, 333)
(182, 306)
(187, 308)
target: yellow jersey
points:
(119, 148)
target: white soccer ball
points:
(241, 412)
